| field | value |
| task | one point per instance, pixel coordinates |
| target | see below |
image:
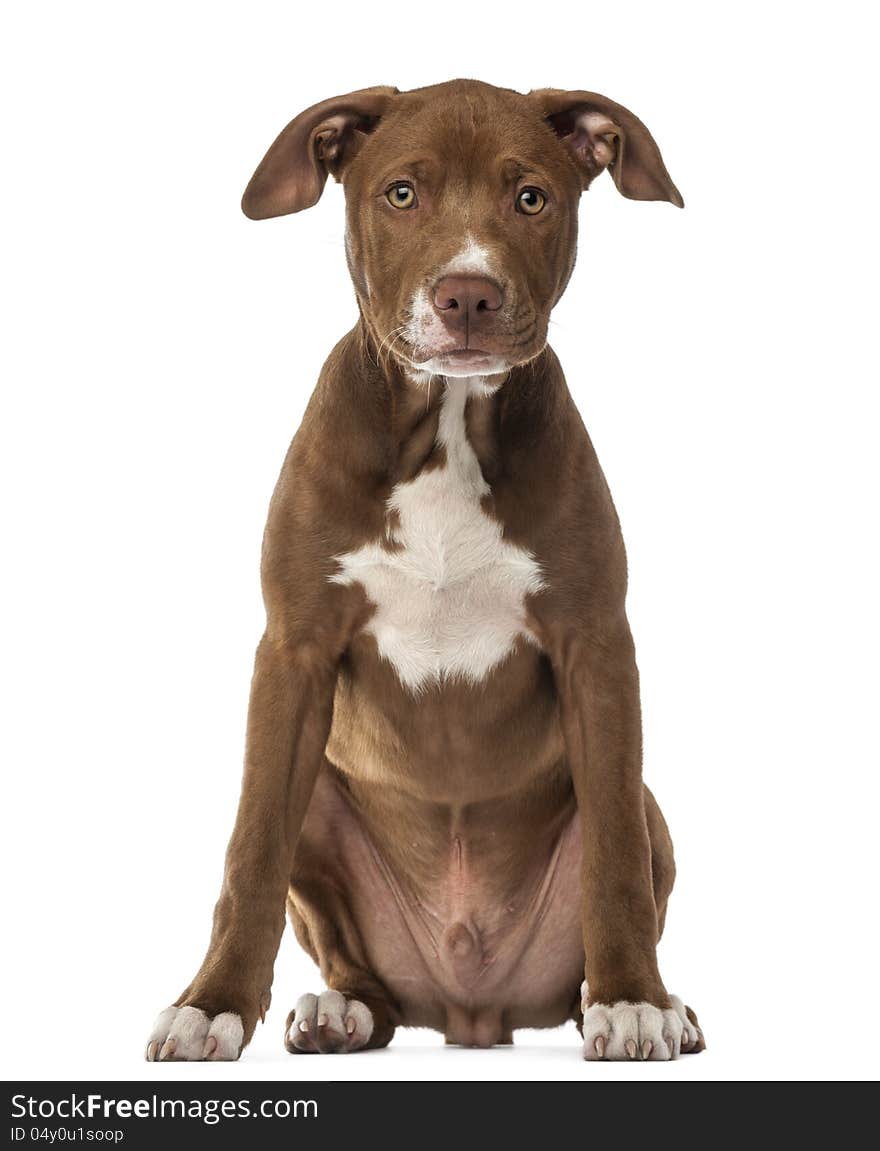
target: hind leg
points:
(663, 867)
(662, 858)
(609, 1028)
(355, 1012)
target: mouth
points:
(464, 362)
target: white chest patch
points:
(450, 591)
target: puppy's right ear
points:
(320, 141)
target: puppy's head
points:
(461, 208)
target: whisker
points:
(388, 342)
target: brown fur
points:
(375, 816)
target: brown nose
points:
(463, 301)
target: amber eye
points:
(401, 195)
(530, 201)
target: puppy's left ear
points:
(319, 142)
(601, 134)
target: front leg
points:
(288, 724)
(627, 1011)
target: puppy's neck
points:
(428, 417)
(397, 410)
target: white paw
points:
(631, 1031)
(328, 1024)
(188, 1034)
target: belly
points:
(470, 918)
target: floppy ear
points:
(292, 174)
(602, 134)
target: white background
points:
(158, 352)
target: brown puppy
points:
(443, 776)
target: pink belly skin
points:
(455, 956)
